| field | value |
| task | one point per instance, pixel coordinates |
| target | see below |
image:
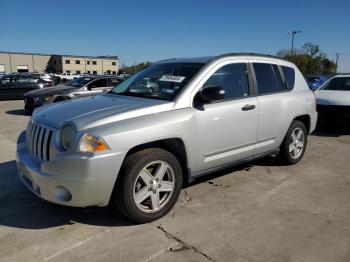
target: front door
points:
(226, 131)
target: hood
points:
(333, 97)
(49, 91)
(98, 110)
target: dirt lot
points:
(256, 212)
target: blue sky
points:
(152, 30)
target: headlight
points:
(91, 144)
(38, 99)
(67, 137)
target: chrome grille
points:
(39, 140)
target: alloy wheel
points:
(296, 142)
(154, 186)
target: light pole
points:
(293, 33)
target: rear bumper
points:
(75, 180)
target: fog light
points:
(62, 194)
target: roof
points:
(206, 59)
(80, 56)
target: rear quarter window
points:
(289, 75)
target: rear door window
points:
(26, 80)
(99, 83)
(114, 81)
(289, 75)
(6, 80)
(265, 78)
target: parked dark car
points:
(14, 86)
(83, 86)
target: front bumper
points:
(74, 180)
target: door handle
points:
(248, 107)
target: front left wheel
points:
(149, 185)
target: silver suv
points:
(173, 122)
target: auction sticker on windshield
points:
(170, 78)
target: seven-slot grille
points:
(39, 140)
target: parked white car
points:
(67, 76)
(333, 98)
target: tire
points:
(140, 190)
(289, 154)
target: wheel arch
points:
(175, 145)
(306, 120)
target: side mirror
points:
(212, 93)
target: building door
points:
(22, 69)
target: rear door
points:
(271, 99)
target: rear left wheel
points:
(294, 144)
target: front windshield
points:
(79, 82)
(337, 83)
(159, 81)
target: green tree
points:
(309, 59)
(311, 49)
(134, 68)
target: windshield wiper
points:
(127, 93)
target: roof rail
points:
(213, 58)
(249, 54)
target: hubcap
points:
(296, 142)
(154, 186)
